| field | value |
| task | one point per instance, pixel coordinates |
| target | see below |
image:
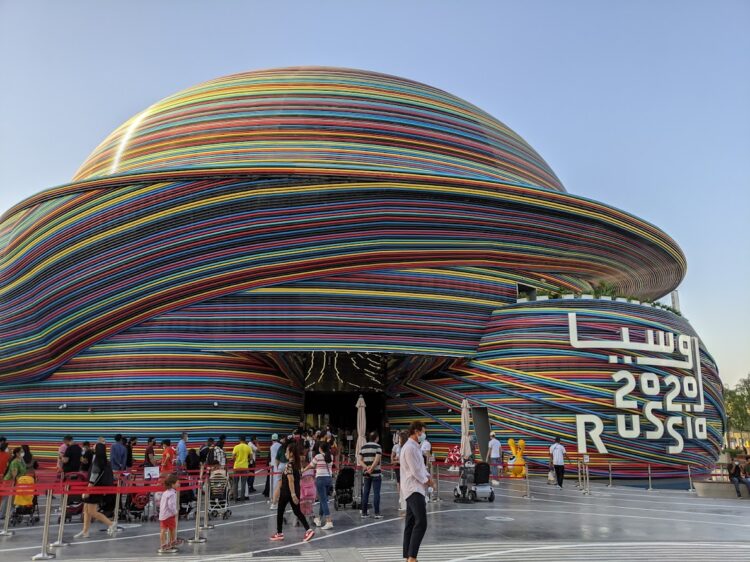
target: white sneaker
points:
(317, 522)
(495, 482)
(328, 525)
(81, 535)
(112, 529)
(273, 506)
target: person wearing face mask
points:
(735, 476)
(415, 480)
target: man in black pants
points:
(414, 483)
(557, 456)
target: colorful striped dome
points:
(320, 121)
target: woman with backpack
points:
(323, 465)
(287, 492)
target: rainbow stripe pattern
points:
(316, 209)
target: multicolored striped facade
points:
(320, 209)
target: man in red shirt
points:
(167, 457)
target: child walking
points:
(287, 492)
(168, 516)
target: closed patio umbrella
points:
(465, 439)
(361, 425)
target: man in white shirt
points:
(414, 483)
(274, 466)
(557, 456)
(494, 456)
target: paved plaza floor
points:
(612, 524)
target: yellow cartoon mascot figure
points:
(516, 463)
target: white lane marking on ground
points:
(590, 504)
(589, 545)
(109, 539)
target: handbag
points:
(551, 478)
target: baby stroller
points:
(307, 493)
(344, 488)
(136, 505)
(474, 482)
(218, 494)
(25, 504)
(75, 501)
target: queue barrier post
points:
(45, 554)
(690, 480)
(527, 495)
(197, 538)
(436, 492)
(59, 543)
(609, 465)
(578, 470)
(586, 479)
(650, 488)
(116, 518)
(207, 525)
(6, 532)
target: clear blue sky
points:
(642, 104)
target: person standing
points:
(494, 456)
(396, 460)
(255, 449)
(72, 457)
(426, 448)
(118, 454)
(204, 451)
(168, 516)
(167, 457)
(288, 492)
(557, 456)
(16, 468)
(414, 483)
(370, 456)
(241, 456)
(149, 456)
(86, 456)
(322, 462)
(274, 466)
(182, 450)
(131, 444)
(61, 451)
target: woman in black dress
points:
(100, 475)
(287, 493)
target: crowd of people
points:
(304, 451)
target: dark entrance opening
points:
(338, 409)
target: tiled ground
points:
(621, 523)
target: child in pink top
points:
(168, 515)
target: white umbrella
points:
(361, 425)
(465, 451)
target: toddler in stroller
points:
(25, 504)
(218, 494)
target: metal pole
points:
(5, 532)
(197, 538)
(206, 525)
(116, 517)
(690, 480)
(586, 479)
(63, 507)
(649, 489)
(610, 474)
(45, 554)
(527, 495)
(578, 470)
